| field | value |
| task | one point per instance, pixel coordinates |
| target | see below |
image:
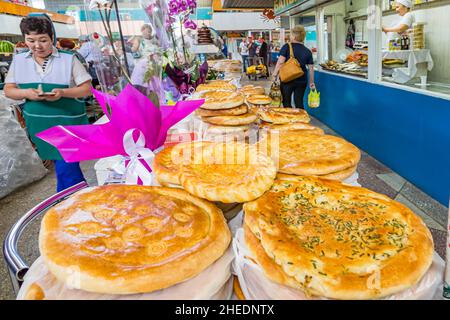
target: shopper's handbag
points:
(314, 99)
(291, 69)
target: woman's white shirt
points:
(408, 19)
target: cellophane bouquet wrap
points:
(135, 129)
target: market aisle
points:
(372, 175)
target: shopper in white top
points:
(243, 50)
(404, 20)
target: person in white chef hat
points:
(403, 21)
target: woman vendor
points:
(50, 81)
(403, 21)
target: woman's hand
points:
(312, 86)
(58, 95)
(32, 94)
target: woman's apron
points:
(41, 115)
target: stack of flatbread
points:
(225, 112)
(306, 152)
(224, 172)
(331, 240)
(122, 239)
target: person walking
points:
(243, 50)
(305, 58)
(50, 81)
(263, 53)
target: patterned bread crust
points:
(302, 153)
(231, 172)
(241, 120)
(216, 85)
(167, 163)
(242, 109)
(259, 99)
(283, 115)
(217, 100)
(250, 90)
(339, 241)
(122, 239)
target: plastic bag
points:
(212, 283)
(255, 285)
(314, 98)
(20, 165)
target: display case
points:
(392, 103)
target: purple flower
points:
(192, 4)
(189, 24)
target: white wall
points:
(437, 37)
(10, 25)
(236, 21)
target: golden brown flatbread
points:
(283, 115)
(242, 109)
(259, 99)
(241, 120)
(339, 175)
(216, 85)
(167, 163)
(123, 239)
(266, 126)
(338, 241)
(302, 153)
(231, 172)
(250, 90)
(218, 100)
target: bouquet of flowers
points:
(180, 64)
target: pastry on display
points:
(290, 126)
(123, 239)
(339, 175)
(227, 133)
(242, 109)
(204, 35)
(240, 120)
(259, 99)
(217, 100)
(167, 163)
(302, 153)
(231, 172)
(222, 85)
(336, 241)
(250, 90)
(283, 115)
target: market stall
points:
(391, 103)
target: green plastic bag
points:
(314, 99)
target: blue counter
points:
(407, 131)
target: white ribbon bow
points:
(137, 153)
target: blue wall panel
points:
(408, 132)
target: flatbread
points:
(242, 109)
(339, 241)
(283, 115)
(302, 153)
(265, 126)
(216, 85)
(123, 239)
(249, 90)
(227, 133)
(243, 119)
(259, 99)
(339, 175)
(167, 163)
(231, 172)
(216, 100)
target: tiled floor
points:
(372, 174)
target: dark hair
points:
(40, 25)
